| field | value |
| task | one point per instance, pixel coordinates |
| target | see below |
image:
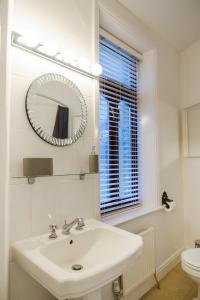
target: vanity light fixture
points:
(84, 63)
(59, 56)
(29, 39)
(69, 56)
(49, 50)
(96, 69)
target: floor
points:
(175, 286)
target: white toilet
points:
(190, 261)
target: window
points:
(119, 140)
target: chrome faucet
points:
(77, 221)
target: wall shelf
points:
(31, 180)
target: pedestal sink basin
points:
(78, 264)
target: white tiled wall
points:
(61, 196)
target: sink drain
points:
(77, 267)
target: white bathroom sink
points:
(103, 251)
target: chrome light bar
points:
(57, 57)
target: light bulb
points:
(84, 63)
(59, 56)
(69, 56)
(49, 48)
(29, 39)
(96, 69)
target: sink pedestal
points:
(96, 295)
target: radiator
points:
(144, 267)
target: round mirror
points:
(56, 109)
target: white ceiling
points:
(177, 21)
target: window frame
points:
(112, 20)
(120, 44)
(139, 56)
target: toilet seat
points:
(184, 263)
(191, 258)
(190, 261)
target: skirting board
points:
(161, 271)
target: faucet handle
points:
(80, 224)
(53, 234)
(53, 226)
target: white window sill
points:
(128, 215)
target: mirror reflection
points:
(56, 109)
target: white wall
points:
(62, 197)
(5, 27)
(190, 94)
(72, 23)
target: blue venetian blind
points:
(119, 155)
